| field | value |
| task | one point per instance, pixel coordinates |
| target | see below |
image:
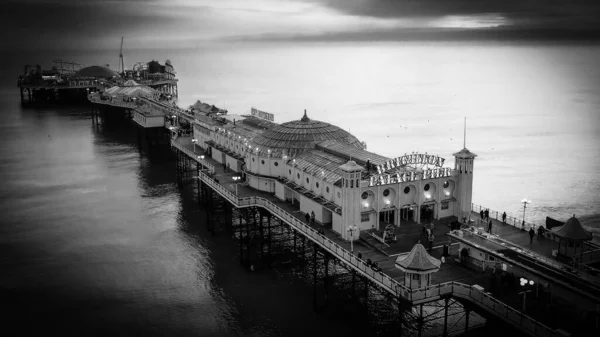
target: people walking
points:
(307, 217)
(540, 232)
(481, 213)
(487, 214)
(504, 217)
(490, 227)
(531, 234)
(312, 217)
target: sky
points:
(97, 24)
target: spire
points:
(305, 117)
(465, 137)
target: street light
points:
(525, 282)
(525, 203)
(351, 229)
(236, 178)
(194, 140)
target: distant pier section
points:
(71, 81)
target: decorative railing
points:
(194, 156)
(510, 220)
(390, 285)
(114, 102)
(171, 110)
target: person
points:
(432, 226)
(312, 217)
(359, 255)
(487, 214)
(321, 231)
(490, 227)
(504, 217)
(540, 232)
(431, 237)
(481, 214)
(307, 219)
(531, 234)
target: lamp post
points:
(236, 178)
(351, 229)
(525, 203)
(194, 140)
(524, 283)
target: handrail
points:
(456, 289)
(209, 166)
(510, 220)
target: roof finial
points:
(465, 138)
(305, 117)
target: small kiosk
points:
(417, 267)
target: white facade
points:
(349, 200)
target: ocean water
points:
(97, 239)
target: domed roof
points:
(295, 137)
(95, 71)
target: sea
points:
(97, 239)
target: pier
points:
(271, 220)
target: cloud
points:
(533, 13)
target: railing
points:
(113, 102)
(191, 154)
(510, 220)
(171, 110)
(488, 303)
(392, 286)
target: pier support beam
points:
(446, 316)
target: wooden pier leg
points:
(446, 317)
(198, 182)
(269, 237)
(467, 319)
(421, 320)
(315, 276)
(353, 283)
(294, 233)
(325, 280)
(21, 92)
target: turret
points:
(350, 196)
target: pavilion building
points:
(328, 171)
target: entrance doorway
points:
(427, 213)
(388, 216)
(407, 213)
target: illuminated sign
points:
(416, 158)
(261, 114)
(403, 177)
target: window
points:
(262, 162)
(351, 183)
(290, 170)
(339, 195)
(276, 164)
(445, 204)
(307, 180)
(327, 189)
(415, 276)
(317, 184)
(298, 175)
(253, 160)
(365, 195)
(426, 187)
(446, 184)
(386, 192)
(406, 190)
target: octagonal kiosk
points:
(417, 267)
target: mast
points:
(465, 136)
(121, 62)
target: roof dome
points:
(293, 138)
(418, 261)
(95, 71)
